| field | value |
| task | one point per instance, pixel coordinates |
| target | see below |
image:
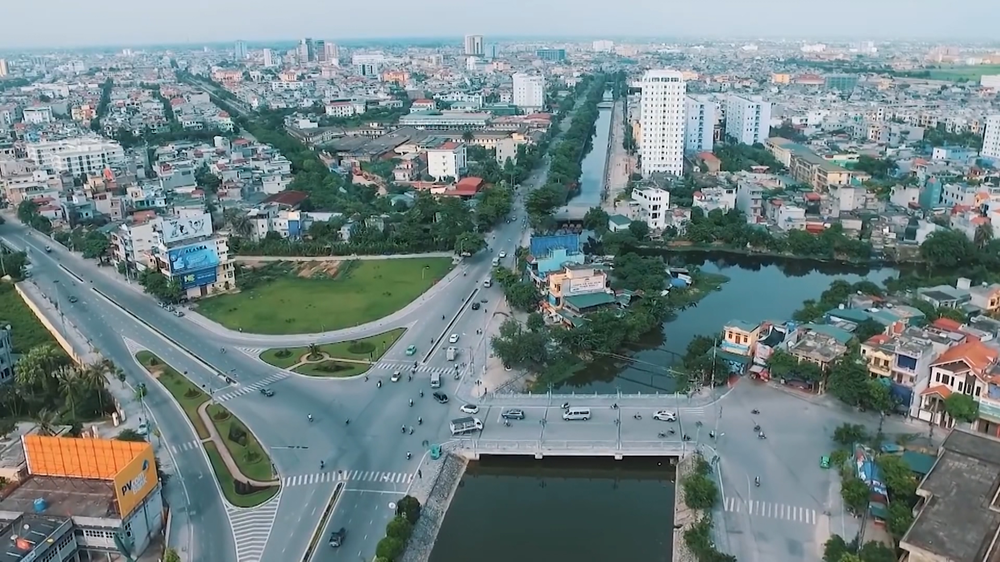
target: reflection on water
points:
(560, 509)
(758, 289)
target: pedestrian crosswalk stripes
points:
(240, 391)
(408, 367)
(252, 528)
(189, 446)
(252, 351)
(771, 510)
(348, 476)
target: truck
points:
(452, 353)
(461, 426)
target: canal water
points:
(572, 509)
(592, 175)
(758, 289)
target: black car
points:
(513, 414)
(337, 537)
(475, 306)
(441, 397)
(267, 392)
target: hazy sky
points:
(62, 23)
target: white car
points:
(503, 255)
(453, 338)
(469, 409)
(664, 415)
(396, 376)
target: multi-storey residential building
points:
(652, 203)
(963, 369)
(529, 91)
(76, 156)
(699, 128)
(474, 45)
(190, 253)
(991, 138)
(3, 68)
(38, 115)
(750, 200)
(553, 55)
(661, 119)
(446, 161)
(240, 51)
(748, 120)
(6, 356)
(268, 58)
(712, 198)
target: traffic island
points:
(242, 467)
(341, 359)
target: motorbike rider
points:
(310, 416)
(420, 421)
(756, 480)
(322, 465)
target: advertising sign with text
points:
(192, 258)
(184, 228)
(586, 285)
(135, 481)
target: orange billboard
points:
(136, 481)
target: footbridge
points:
(475, 448)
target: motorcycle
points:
(402, 429)
(755, 411)
(761, 435)
(661, 435)
(756, 428)
(378, 384)
(565, 406)
(637, 416)
(408, 455)
(756, 481)
(411, 402)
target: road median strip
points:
(331, 505)
(242, 467)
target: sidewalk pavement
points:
(227, 457)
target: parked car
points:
(514, 414)
(178, 313)
(267, 392)
(396, 376)
(441, 397)
(469, 409)
(664, 415)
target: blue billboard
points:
(195, 265)
(196, 278)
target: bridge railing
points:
(573, 447)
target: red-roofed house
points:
(288, 199)
(446, 161)
(711, 161)
(963, 369)
(467, 187)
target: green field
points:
(366, 291)
(970, 73)
(371, 349)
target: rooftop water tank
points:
(40, 505)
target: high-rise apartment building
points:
(529, 91)
(991, 138)
(240, 50)
(90, 154)
(748, 119)
(661, 118)
(474, 45)
(302, 51)
(268, 58)
(331, 52)
(319, 50)
(3, 68)
(699, 124)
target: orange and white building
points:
(82, 499)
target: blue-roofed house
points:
(550, 254)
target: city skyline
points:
(190, 22)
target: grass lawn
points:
(334, 369)
(371, 348)
(228, 485)
(252, 459)
(366, 291)
(185, 392)
(972, 73)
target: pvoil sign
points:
(138, 483)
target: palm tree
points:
(69, 386)
(35, 368)
(238, 222)
(46, 420)
(93, 377)
(983, 235)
